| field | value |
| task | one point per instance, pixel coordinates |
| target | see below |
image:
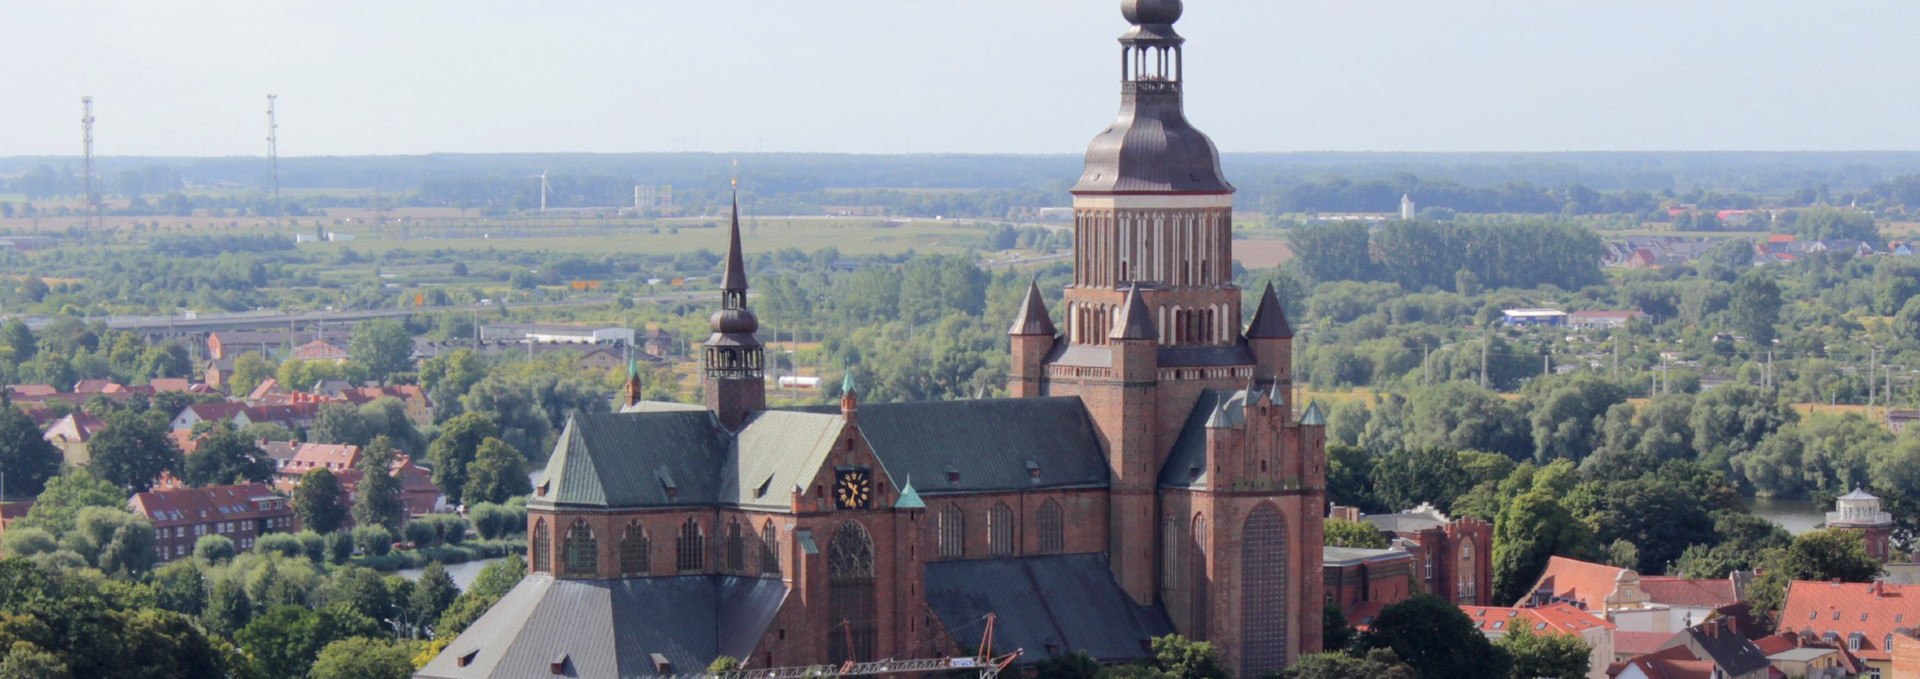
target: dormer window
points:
(953, 475)
(1033, 471)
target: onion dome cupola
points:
(1151, 148)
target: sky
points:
(376, 77)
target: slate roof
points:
(1186, 465)
(635, 458)
(608, 628)
(1269, 320)
(1048, 605)
(988, 441)
(1727, 649)
(1135, 322)
(1032, 318)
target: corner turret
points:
(1032, 336)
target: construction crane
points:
(985, 662)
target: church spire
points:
(1269, 319)
(733, 282)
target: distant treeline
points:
(1451, 256)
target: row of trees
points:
(1449, 255)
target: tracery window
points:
(689, 557)
(953, 533)
(769, 550)
(636, 551)
(542, 548)
(736, 548)
(850, 595)
(582, 551)
(1051, 522)
(1000, 530)
(1263, 560)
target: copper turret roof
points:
(1151, 148)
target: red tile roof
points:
(1575, 580)
(188, 506)
(1689, 593)
(34, 390)
(1871, 610)
(1561, 618)
(216, 411)
(318, 350)
(1673, 663)
(1638, 643)
(170, 383)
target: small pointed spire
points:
(1314, 417)
(735, 277)
(846, 383)
(1033, 318)
(1269, 320)
(1135, 322)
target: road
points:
(201, 323)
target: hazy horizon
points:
(911, 77)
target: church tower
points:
(1217, 487)
(735, 376)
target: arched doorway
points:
(850, 595)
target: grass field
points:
(852, 237)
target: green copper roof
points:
(909, 498)
(1314, 417)
(846, 383)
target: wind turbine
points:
(545, 189)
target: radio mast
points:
(86, 161)
(273, 156)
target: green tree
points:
(16, 337)
(249, 370)
(493, 582)
(1548, 655)
(1436, 639)
(1181, 658)
(1530, 530)
(364, 658)
(214, 548)
(1075, 665)
(1408, 477)
(58, 506)
(376, 501)
(497, 474)
(1360, 534)
(1906, 323)
(23, 660)
(455, 449)
(1379, 663)
(725, 663)
(285, 641)
(1733, 419)
(1567, 414)
(319, 501)
(1335, 633)
(1756, 306)
(363, 590)
(25, 454)
(381, 348)
(227, 456)
(132, 450)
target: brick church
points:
(1149, 473)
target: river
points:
(462, 573)
(1797, 516)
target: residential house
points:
(1864, 616)
(206, 412)
(418, 495)
(1634, 603)
(318, 351)
(1362, 581)
(231, 344)
(217, 372)
(91, 387)
(1496, 622)
(336, 458)
(1906, 655)
(29, 392)
(1719, 642)
(281, 452)
(658, 341)
(1452, 558)
(418, 406)
(1808, 658)
(293, 416)
(181, 515)
(71, 433)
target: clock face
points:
(853, 489)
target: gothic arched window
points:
(1000, 530)
(1170, 559)
(736, 548)
(636, 551)
(953, 533)
(850, 594)
(542, 548)
(1052, 524)
(689, 557)
(769, 550)
(1263, 564)
(582, 551)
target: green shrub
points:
(339, 547)
(373, 540)
(214, 548)
(281, 543)
(314, 544)
(420, 533)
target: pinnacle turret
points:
(1033, 318)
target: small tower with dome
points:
(1860, 511)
